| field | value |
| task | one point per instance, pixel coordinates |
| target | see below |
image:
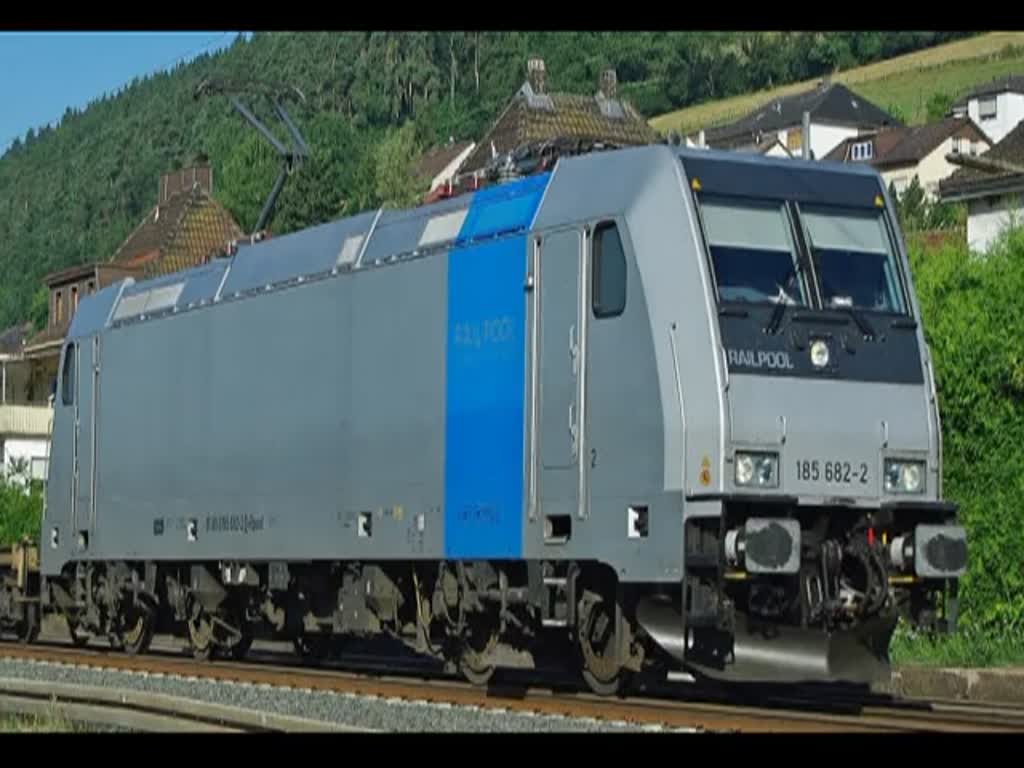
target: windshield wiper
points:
(780, 306)
(858, 318)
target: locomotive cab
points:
(832, 523)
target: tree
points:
(393, 182)
(39, 311)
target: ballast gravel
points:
(354, 710)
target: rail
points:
(799, 712)
(143, 710)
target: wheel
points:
(477, 675)
(596, 636)
(137, 633)
(78, 638)
(200, 635)
(479, 644)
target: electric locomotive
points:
(657, 409)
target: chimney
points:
(609, 83)
(535, 73)
(174, 182)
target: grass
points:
(48, 723)
(904, 82)
(961, 649)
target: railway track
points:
(142, 710)
(661, 707)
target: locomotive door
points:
(84, 457)
(557, 371)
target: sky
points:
(42, 74)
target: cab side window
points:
(67, 376)
(608, 271)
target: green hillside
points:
(70, 195)
(904, 84)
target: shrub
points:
(973, 319)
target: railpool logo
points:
(749, 358)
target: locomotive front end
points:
(832, 524)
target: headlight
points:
(904, 476)
(757, 469)
(819, 353)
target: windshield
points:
(752, 252)
(854, 259)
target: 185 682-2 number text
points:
(838, 472)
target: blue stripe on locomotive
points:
(485, 374)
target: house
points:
(537, 118)
(997, 106)
(440, 164)
(902, 153)
(24, 409)
(185, 228)
(25, 441)
(769, 146)
(835, 113)
(992, 186)
(15, 383)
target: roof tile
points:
(571, 117)
(1009, 149)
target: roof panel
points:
(94, 309)
(406, 231)
(202, 284)
(505, 208)
(301, 254)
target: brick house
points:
(543, 124)
(185, 228)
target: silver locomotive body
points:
(671, 406)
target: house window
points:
(74, 299)
(987, 108)
(862, 151)
(974, 148)
(609, 266)
(90, 287)
(956, 145)
(59, 308)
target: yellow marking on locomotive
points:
(903, 579)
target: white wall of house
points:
(988, 216)
(824, 138)
(931, 169)
(32, 450)
(1009, 111)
